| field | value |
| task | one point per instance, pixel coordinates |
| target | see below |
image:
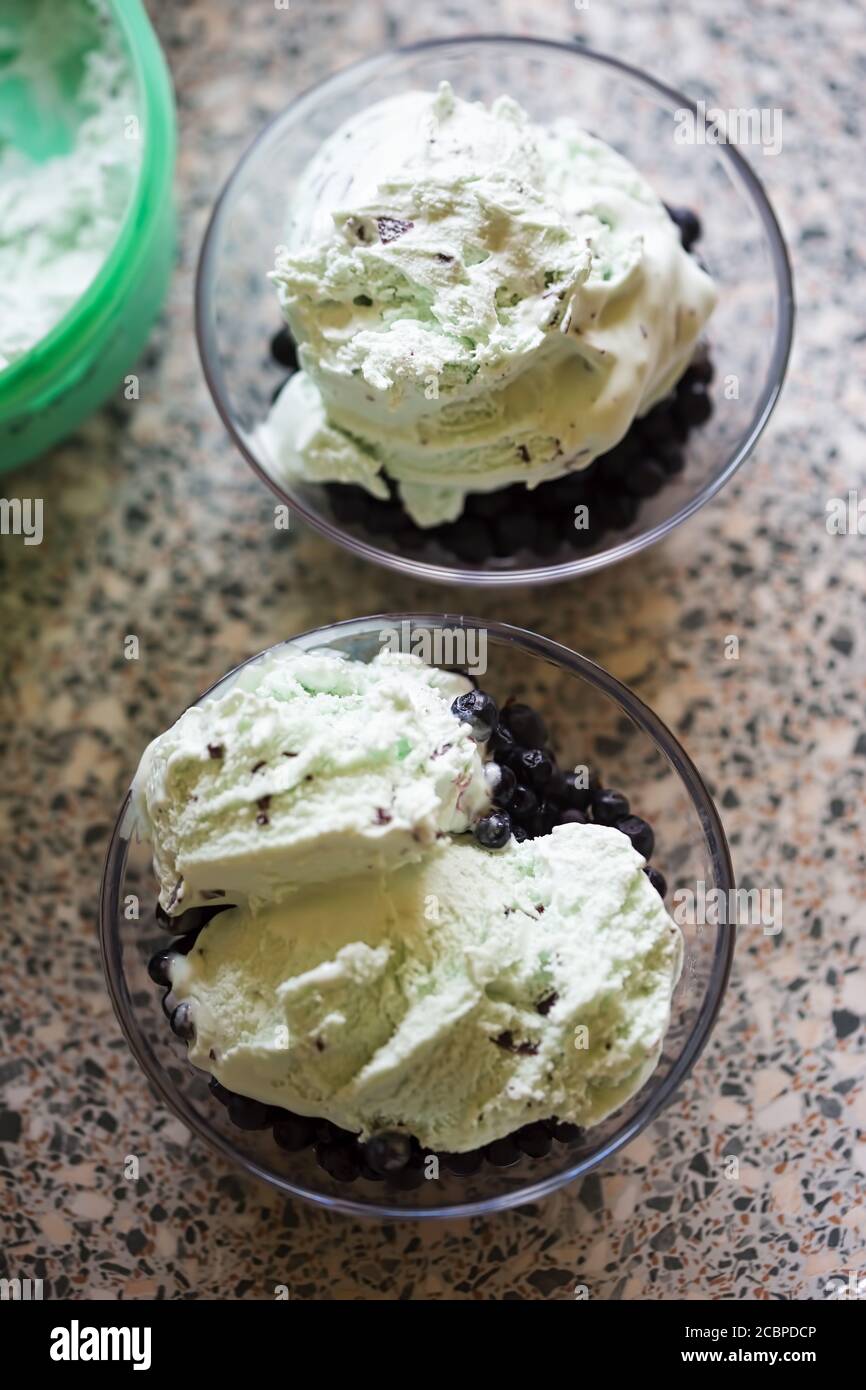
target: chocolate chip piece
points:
(524, 1049)
(390, 228)
(216, 750)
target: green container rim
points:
(39, 371)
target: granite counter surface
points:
(155, 526)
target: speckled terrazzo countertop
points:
(155, 526)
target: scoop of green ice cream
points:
(311, 767)
(479, 300)
(456, 998)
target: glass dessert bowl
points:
(691, 445)
(640, 756)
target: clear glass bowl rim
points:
(743, 175)
(557, 655)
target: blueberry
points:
(608, 806)
(524, 802)
(388, 1151)
(339, 1160)
(614, 466)
(219, 1091)
(646, 478)
(519, 834)
(407, 1179)
(514, 532)
(186, 922)
(640, 833)
(555, 789)
(369, 1173)
(603, 512)
(548, 537)
(493, 831)
(505, 787)
(349, 504)
(159, 967)
(324, 1132)
(463, 1165)
(479, 711)
(700, 368)
(283, 349)
(526, 725)
(533, 767)
(574, 795)
(502, 742)
(689, 225)
(327, 1133)
(693, 408)
(658, 426)
(657, 879)
(534, 1140)
(564, 1132)
(671, 459)
(487, 504)
(293, 1132)
(535, 824)
(246, 1113)
(502, 1153)
(572, 817)
(182, 1021)
(470, 539)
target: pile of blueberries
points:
(500, 524)
(531, 795)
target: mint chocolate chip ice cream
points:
(310, 768)
(456, 998)
(478, 301)
(382, 969)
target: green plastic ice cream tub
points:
(49, 388)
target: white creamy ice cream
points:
(478, 300)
